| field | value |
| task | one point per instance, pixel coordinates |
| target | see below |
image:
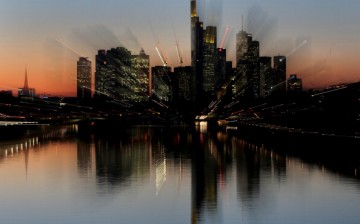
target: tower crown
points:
(193, 8)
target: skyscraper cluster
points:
(207, 61)
(124, 76)
(256, 76)
(252, 78)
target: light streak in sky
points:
(178, 51)
(179, 54)
(330, 91)
(297, 48)
(161, 55)
(68, 47)
(227, 29)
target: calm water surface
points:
(164, 175)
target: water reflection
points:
(213, 176)
(129, 155)
(121, 157)
(84, 156)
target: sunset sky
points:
(321, 38)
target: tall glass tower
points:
(83, 78)
(197, 42)
(209, 61)
(280, 73)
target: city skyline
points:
(48, 37)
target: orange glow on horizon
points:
(52, 69)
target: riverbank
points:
(338, 152)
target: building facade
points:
(122, 76)
(266, 76)
(243, 40)
(83, 78)
(183, 77)
(294, 84)
(162, 83)
(280, 74)
(141, 69)
(248, 80)
(197, 42)
(209, 61)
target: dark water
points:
(165, 175)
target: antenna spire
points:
(242, 22)
(26, 84)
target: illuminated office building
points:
(294, 84)
(197, 39)
(243, 40)
(83, 78)
(204, 75)
(280, 74)
(248, 80)
(221, 67)
(209, 61)
(266, 76)
(183, 75)
(162, 83)
(141, 68)
(122, 76)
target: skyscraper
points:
(203, 57)
(221, 67)
(197, 39)
(252, 69)
(162, 83)
(183, 75)
(247, 83)
(280, 74)
(102, 74)
(209, 61)
(83, 78)
(141, 68)
(266, 76)
(116, 77)
(243, 40)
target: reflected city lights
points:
(160, 175)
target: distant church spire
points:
(26, 84)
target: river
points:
(153, 174)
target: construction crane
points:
(161, 55)
(179, 54)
